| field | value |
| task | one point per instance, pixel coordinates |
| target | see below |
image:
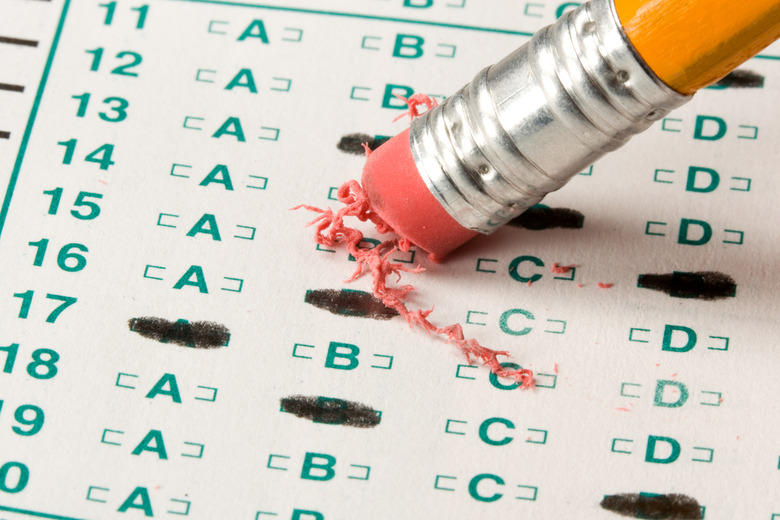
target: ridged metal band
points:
(526, 125)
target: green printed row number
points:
(110, 8)
(117, 107)
(35, 424)
(27, 298)
(68, 258)
(123, 69)
(82, 201)
(13, 477)
(101, 155)
(42, 366)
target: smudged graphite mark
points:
(740, 79)
(541, 217)
(700, 285)
(331, 410)
(353, 143)
(654, 507)
(198, 334)
(347, 302)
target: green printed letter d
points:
(711, 135)
(693, 171)
(652, 442)
(659, 394)
(669, 331)
(684, 236)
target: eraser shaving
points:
(395, 199)
(331, 232)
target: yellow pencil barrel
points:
(690, 44)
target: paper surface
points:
(151, 159)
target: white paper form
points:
(150, 154)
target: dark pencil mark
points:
(353, 143)
(654, 507)
(701, 285)
(18, 41)
(541, 217)
(347, 302)
(4, 134)
(740, 79)
(12, 88)
(330, 410)
(199, 334)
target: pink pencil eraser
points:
(398, 194)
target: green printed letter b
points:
(389, 100)
(324, 468)
(408, 46)
(348, 359)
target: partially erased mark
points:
(654, 507)
(198, 334)
(701, 285)
(541, 217)
(353, 143)
(331, 410)
(740, 79)
(348, 302)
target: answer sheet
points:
(173, 343)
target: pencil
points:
(580, 88)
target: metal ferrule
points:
(526, 125)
